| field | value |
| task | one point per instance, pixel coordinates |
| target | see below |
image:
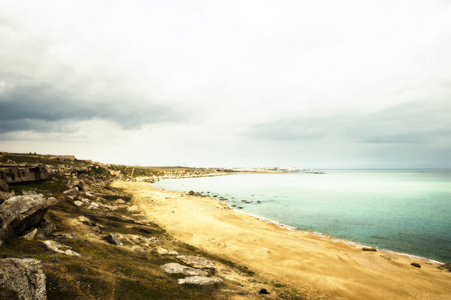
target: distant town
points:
(276, 169)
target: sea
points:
(407, 211)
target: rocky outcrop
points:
(22, 279)
(19, 214)
(197, 262)
(22, 173)
(200, 280)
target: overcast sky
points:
(315, 84)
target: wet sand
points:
(316, 265)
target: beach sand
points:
(316, 265)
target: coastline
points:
(344, 241)
(309, 262)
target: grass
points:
(106, 271)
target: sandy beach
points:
(316, 265)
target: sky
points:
(308, 84)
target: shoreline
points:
(324, 235)
(344, 241)
(312, 263)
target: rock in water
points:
(175, 268)
(22, 279)
(200, 280)
(22, 213)
(197, 262)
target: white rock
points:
(133, 209)
(197, 262)
(162, 251)
(60, 248)
(175, 268)
(200, 280)
(78, 203)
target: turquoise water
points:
(399, 210)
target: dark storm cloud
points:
(40, 107)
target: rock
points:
(77, 183)
(263, 292)
(79, 203)
(162, 251)
(94, 205)
(4, 186)
(72, 192)
(66, 235)
(30, 235)
(84, 200)
(111, 207)
(153, 239)
(22, 173)
(113, 239)
(5, 196)
(445, 267)
(60, 248)
(173, 253)
(45, 229)
(191, 193)
(86, 221)
(120, 201)
(22, 279)
(369, 249)
(197, 262)
(175, 268)
(200, 280)
(415, 265)
(22, 213)
(133, 209)
(29, 192)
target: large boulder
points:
(19, 214)
(175, 268)
(22, 279)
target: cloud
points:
(227, 81)
(413, 123)
(39, 107)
